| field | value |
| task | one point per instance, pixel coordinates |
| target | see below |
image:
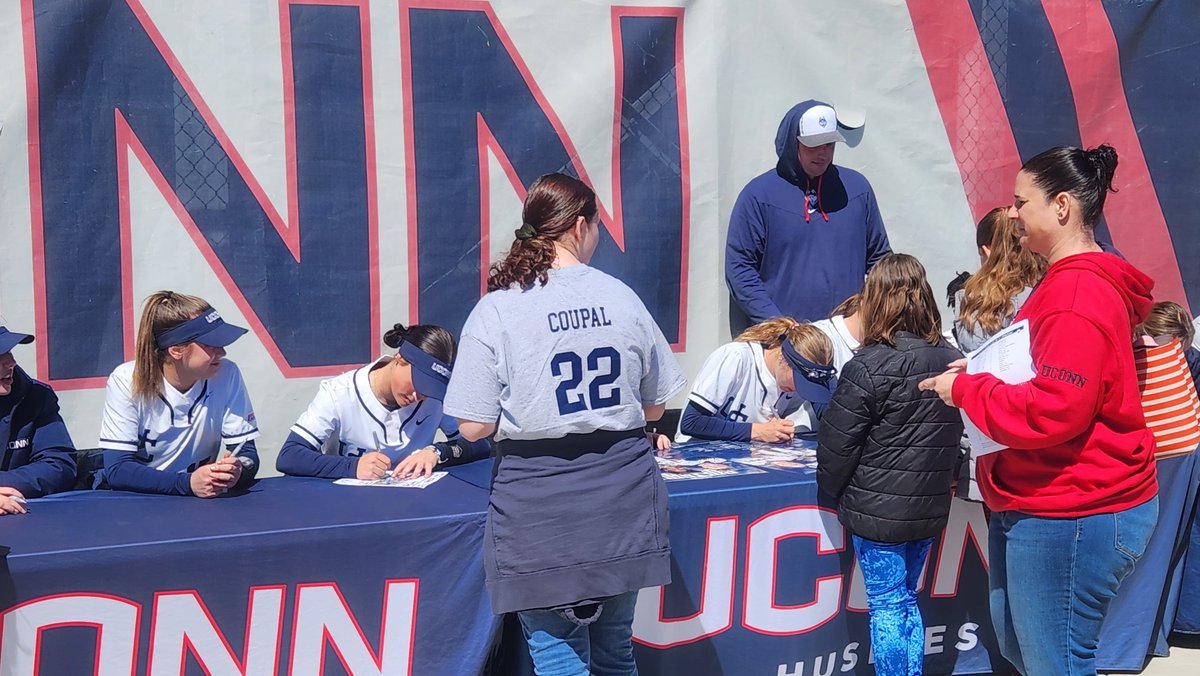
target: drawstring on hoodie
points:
(820, 208)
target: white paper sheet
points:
(1005, 355)
(389, 482)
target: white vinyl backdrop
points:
(745, 63)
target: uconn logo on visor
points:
(440, 369)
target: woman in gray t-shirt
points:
(564, 364)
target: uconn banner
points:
(301, 576)
(765, 582)
(322, 169)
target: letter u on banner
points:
(714, 612)
(762, 613)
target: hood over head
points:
(786, 138)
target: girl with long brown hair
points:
(988, 302)
(993, 296)
(564, 365)
(888, 452)
(771, 382)
(169, 413)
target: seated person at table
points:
(888, 453)
(383, 414)
(168, 412)
(38, 451)
(770, 383)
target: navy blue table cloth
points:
(301, 576)
(328, 579)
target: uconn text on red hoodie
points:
(1078, 442)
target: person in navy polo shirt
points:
(38, 453)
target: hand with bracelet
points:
(419, 463)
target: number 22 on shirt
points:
(603, 369)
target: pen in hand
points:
(236, 449)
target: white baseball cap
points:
(818, 126)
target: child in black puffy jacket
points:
(889, 453)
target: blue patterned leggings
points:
(891, 571)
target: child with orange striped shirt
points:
(1169, 398)
(1171, 407)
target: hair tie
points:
(526, 231)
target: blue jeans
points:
(562, 646)
(891, 571)
(1052, 580)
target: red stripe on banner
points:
(127, 140)
(611, 219)
(1093, 63)
(289, 126)
(486, 142)
(685, 161)
(614, 227)
(973, 113)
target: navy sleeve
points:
(459, 451)
(1193, 361)
(123, 471)
(877, 238)
(300, 458)
(51, 466)
(877, 245)
(844, 428)
(745, 245)
(249, 451)
(819, 410)
(700, 424)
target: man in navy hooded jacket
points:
(38, 454)
(803, 235)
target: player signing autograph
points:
(773, 381)
(383, 414)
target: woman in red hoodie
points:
(1074, 496)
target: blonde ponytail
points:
(809, 341)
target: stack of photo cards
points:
(710, 459)
(391, 482)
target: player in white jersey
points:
(771, 383)
(169, 412)
(386, 413)
(565, 365)
(844, 328)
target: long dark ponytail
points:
(552, 207)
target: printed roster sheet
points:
(1005, 355)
